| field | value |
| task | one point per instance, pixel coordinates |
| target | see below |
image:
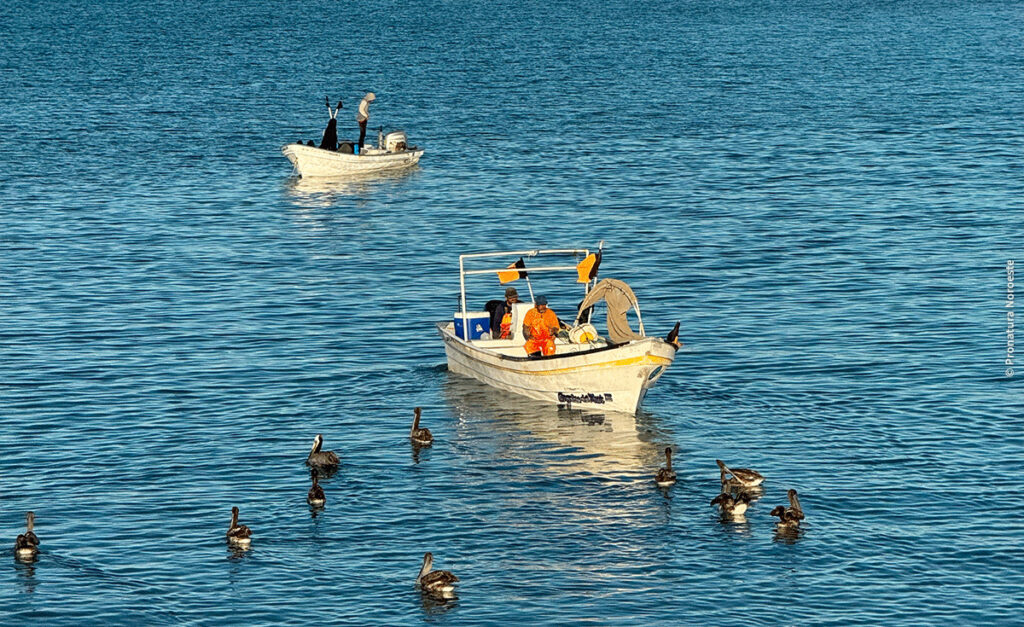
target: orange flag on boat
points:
(587, 269)
(514, 274)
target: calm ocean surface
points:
(825, 196)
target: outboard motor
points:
(395, 141)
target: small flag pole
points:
(600, 247)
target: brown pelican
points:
(321, 459)
(435, 581)
(238, 535)
(742, 477)
(732, 507)
(673, 337)
(666, 476)
(789, 516)
(316, 496)
(27, 544)
(421, 437)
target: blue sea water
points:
(826, 195)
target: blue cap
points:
(541, 300)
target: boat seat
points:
(519, 311)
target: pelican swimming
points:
(238, 535)
(421, 437)
(435, 581)
(316, 496)
(26, 545)
(666, 476)
(321, 459)
(789, 516)
(732, 507)
(743, 477)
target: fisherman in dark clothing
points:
(330, 138)
(501, 314)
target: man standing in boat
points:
(540, 325)
(363, 116)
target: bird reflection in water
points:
(435, 604)
(26, 569)
(236, 553)
(738, 526)
(416, 449)
(666, 492)
(787, 535)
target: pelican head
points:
(318, 441)
(794, 504)
(428, 563)
(30, 520)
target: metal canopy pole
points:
(462, 300)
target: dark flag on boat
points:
(513, 275)
(587, 269)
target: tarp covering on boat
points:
(620, 299)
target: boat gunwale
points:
(346, 155)
(442, 327)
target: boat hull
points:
(614, 378)
(312, 161)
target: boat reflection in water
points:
(325, 191)
(569, 440)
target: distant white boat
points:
(391, 153)
(585, 371)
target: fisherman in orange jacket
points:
(539, 328)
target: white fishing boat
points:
(391, 153)
(610, 373)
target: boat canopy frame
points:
(575, 252)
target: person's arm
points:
(558, 324)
